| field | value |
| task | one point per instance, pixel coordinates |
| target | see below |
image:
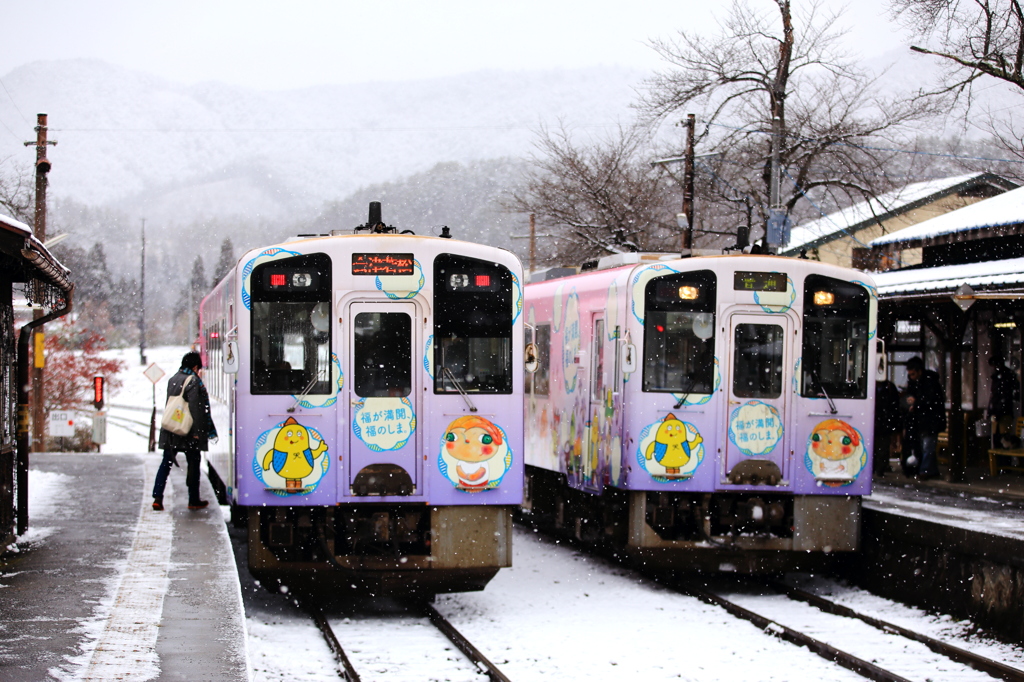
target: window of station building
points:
(679, 333)
(291, 326)
(382, 355)
(472, 326)
(757, 360)
(835, 347)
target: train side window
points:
(542, 377)
(291, 331)
(757, 361)
(679, 333)
(472, 325)
(835, 345)
(382, 355)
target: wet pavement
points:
(102, 587)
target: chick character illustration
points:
(673, 445)
(291, 457)
(472, 441)
(834, 442)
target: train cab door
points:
(760, 372)
(384, 394)
(597, 380)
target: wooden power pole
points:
(39, 230)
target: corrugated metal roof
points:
(860, 215)
(989, 274)
(1000, 210)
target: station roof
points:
(945, 279)
(1001, 214)
(866, 213)
(18, 242)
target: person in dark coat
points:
(888, 425)
(925, 401)
(192, 443)
(1002, 404)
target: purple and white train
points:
(711, 413)
(372, 382)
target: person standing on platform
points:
(1002, 404)
(192, 443)
(888, 425)
(925, 402)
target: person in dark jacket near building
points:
(1002, 404)
(925, 401)
(192, 443)
(888, 425)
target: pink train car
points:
(707, 413)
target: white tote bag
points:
(177, 419)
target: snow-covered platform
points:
(104, 588)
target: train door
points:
(384, 395)
(592, 441)
(760, 370)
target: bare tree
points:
(598, 198)
(976, 39)
(16, 191)
(775, 74)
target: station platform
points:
(102, 587)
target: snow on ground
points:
(130, 408)
(961, 634)
(559, 614)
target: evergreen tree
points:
(226, 261)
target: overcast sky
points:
(266, 44)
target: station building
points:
(960, 306)
(28, 274)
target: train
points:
(371, 381)
(711, 413)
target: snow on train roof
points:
(1002, 209)
(998, 273)
(833, 225)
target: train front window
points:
(291, 330)
(383, 355)
(757, 361)
(472, 326)
(835, 348)
(679, 333)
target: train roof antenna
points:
(375, 223)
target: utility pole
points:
(533, 242)
(39, 231)
(142, 297)
(687, 236)
(776, 228)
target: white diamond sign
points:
(154, 373)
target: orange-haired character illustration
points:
(836, 450)
(472, 442)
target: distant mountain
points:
(176, 153)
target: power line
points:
(189, 131)
(877, 149)
(14, 103)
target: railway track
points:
(348, 670)
(880, 659)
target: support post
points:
(688, 193)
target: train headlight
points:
(824, 298)
(688, 292)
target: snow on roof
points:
(996, 273)
(834, 225)
(9, 222)
(1002, 209)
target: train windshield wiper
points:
(831, 405)
(465, 396)
(305, 391)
